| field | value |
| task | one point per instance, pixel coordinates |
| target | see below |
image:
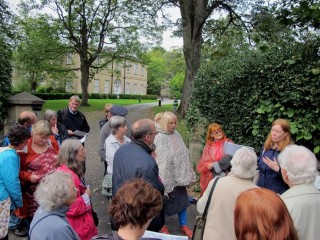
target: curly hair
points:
(18, 134)
(261, 214)
(135, 203)
(54, 190)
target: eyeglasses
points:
(155, 133)
(217, 132)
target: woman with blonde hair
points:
(175, 169)
(212, 153)
(261, 214)
(269, 170)
(38, 159)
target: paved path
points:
(95, 169)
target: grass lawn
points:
(95, 104)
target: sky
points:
(167, 43)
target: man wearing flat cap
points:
(105, 131)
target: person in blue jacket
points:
(269, 170)
(10, 189)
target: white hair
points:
(54, 190)
(300, 164)
(244, 163)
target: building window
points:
(135, 69)
(117, 86)
(118, 66)
(96, 86)
(141, 89)
(128, 69)
(127, 88)
(134, 88)
(106, 86)
(69, 58)
(142, 70)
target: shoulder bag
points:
(201, 221)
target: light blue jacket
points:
(9, 177)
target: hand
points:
(88, 191)
(70, 132)
(54, 129)
(271, 164)
(210, 166)
(34, 178)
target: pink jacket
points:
(79, 214)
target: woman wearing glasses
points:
(175, 169)
(80, 217)
(212, 152)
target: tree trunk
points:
(85, 67)
(192, 13)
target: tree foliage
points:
(5, 58)
(250, 87)
(105, 29)
(39, 54)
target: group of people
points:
(282, 203)
(33, 150)
(147, 172)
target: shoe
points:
(164, 230)
(186, 231)
(21, 232)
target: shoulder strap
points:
(209, 198)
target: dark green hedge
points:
(248, 89)
(5, 76)
(50, 96)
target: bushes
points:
(248, 89)
(50, 96)
(5, 76)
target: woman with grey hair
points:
(220, 218)
(59, 130)
(299, 170)
(80, 217)
(55, 193)
(113, 142)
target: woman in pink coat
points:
(80, 213)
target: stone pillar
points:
(22, 102)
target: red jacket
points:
(212, 152)
(79, 214)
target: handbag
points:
(107, 185)
(200, 223)
(95, 217)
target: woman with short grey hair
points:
(59, 130)
(112, 144)
(55, 193)
(226, 191)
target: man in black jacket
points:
(72, 118)
(133, 160)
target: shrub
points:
(248, 89)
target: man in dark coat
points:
(72, 118)
(133, 160)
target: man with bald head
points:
(133, 160)
(26, 119)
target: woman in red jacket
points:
(79, 215)
(212, 152)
